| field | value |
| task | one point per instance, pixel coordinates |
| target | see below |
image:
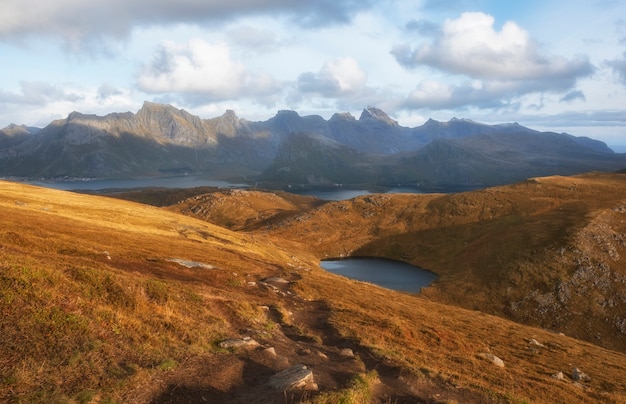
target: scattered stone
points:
(347, 353)
(295, 377)
(270, 351)
(558, 376)
(579, 376)
(269, 286)
(246, 342)
(265, 308)
(534, 342)
(322, 355)
(492, 358)
(277, 279)
(251, 283)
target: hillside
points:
(105, 300)
(544, 252)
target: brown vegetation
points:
(105, 300)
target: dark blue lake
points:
(382, 272)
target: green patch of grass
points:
(359, 391)
(168, 364)
(157, 291)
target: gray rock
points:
(246, 342)
(492, 358)
(296, 377)
(534, 342)
(558, 376)
(579, 376)
(277, 279)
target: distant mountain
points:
(289, 148)
(15, 134)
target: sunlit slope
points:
(104, 300)
(547, 251)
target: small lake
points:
(389, 274)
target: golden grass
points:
(506, 250)
(94, 310)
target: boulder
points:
(558, 376)
(492, 358)
(296, 377)
(579, 376)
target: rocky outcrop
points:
(296, 377)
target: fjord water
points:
(131, 183)
(389, 274)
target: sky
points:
(557, 65)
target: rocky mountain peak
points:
(342, 116)
(230, 116)
(373, 113)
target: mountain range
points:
(292, 149)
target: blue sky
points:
(550, 65)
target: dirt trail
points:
(303, 335)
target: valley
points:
(112, 300)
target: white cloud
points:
(38, 93)
(337, 77)
(499, 65)
(203, 70)
(469, 45)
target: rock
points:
(246, 342)
(277, 279)
(534, 342)
(296, 377)
(558, 376)
(322, 355)
(579, 376)
(347, 353)
(270, 351)
(492, 358)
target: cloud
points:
(433, 94)
(471, 46)
(619, 67)
(336, 78)
(203, 72)
(254, 39)
(106, 91)
(423, 27)
(573, 95)
(79, 22)
(505, 64)
(37, 93)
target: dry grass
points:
(545, 252)
(94, 310)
